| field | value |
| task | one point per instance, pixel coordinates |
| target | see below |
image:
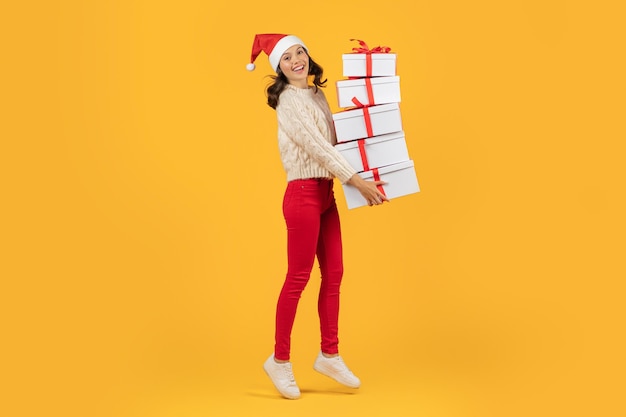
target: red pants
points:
(312, 229)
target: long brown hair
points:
(280, 82)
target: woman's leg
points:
(330, 258)
(329, 255)
(301, 208)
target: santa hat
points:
(274, 45)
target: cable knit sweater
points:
(306, 136)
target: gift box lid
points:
(374, 56)
(370, 141)
(374, 80)
(346, 114)
(387, 169)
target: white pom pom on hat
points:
(274, 45)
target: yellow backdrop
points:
(143, 245)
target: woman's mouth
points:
(298, 68)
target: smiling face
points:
(294, 63)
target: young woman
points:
(306, 137)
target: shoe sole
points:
(323, 371)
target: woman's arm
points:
(296, 121)
(294, 118)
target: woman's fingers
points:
(377, 198)
(379, 195)
(370, 190)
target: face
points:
(294, 63)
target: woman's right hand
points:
(368, 190)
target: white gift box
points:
(401, 180)
(355, 65)
(375, 152)
(353, 124)
(372, 91)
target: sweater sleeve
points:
(297, 122)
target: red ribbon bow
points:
(364, 49)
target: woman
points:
(306, 141)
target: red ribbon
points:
(377, 178)
(368, 122)
(370, 91)
(366, 112)
(364, 49)
(361, 143)
(370, 95)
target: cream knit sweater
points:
(306, 136)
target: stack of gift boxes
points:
(369, 129)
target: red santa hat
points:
(274, 45)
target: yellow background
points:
(143, 245)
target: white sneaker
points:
(337, 370)
(281, 375)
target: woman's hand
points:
(368, 189)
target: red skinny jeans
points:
(313, 229)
